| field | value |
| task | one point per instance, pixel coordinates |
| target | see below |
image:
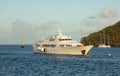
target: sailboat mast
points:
(108, 41)
(104, 36)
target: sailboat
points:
(22, 44)
(104, 43)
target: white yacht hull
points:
(83, 50)
(104, 46)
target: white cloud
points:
(47, 26)
(23, 30)
(26, 31)
(108, 13)
(99, 21)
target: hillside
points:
(112, 36)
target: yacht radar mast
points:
(59, 32)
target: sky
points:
(30, 20)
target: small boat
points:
(60, 44)
(22, 44)
(104, 46)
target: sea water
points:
(16, 61)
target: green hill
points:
(112, 36)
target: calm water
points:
(16, 61)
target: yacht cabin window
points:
(65, 39)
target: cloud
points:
(108, 13)
(92, 17)
(26, 31)
(52, 22)
(47, 26)
(105, 18)
(23, 30)
(91, 23)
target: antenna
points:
(59, 32)
(43, 38)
